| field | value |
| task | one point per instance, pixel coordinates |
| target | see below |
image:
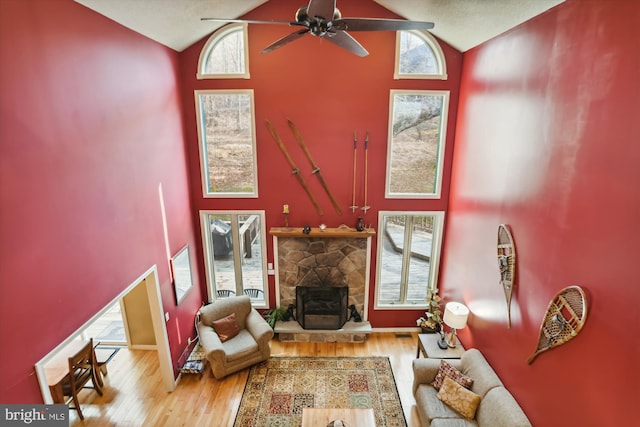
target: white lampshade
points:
(455, 315)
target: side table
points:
(428, 346)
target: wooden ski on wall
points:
(506, 264)
(565, 317)
(294, 169)
(316, 168)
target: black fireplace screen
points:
(321, 307)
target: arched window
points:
(225, 56)
(418, 56)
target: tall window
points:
(418, 56)
(415, 151)
(227, 143)
(408, 257)
(224, 56)
(235, 253)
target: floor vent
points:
(403, 335)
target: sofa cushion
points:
(500, 409)
(226, 328)
(240, 346)
(240, 305)
(448, 371)
(463, 401)
(429, 406)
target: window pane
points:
(408, 258)
(419, 264)
(416, 56)
(227, 55)
(251, 252)
(227, 143)
(223, 263)
(235, 255)
(416, 144)
(390, 274)
(108, 328)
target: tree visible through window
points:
(416, 143)
(225, 54)
(418, 56)
(227, 143)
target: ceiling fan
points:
(321, 18)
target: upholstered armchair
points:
(233, 344)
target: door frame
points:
(150, 277)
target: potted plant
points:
(278, 314)
(432, 320)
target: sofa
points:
(247, 345)
(496, 407)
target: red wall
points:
(90, 127)
(547, 142)
(329, 93)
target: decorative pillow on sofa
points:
(461, 400)
(446, 370)
(226, 328)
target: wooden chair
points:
(103, 355)
(223, 293)
(254, 293)
(82, 369)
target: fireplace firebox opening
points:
(322, 307)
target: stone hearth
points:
(350, 332)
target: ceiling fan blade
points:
(285, 40)
(377, 24)
(322, 8)
(250, 21)
(345, 41)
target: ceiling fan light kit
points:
(321, 18)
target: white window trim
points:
(211, 43)
(435, 257)
(204, 168)
(441, 63)
(441, 148)
(207, 250)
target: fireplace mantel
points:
(317, 232)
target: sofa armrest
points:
(499, 409)
(258, 328)
(425, 370)
(210, 342)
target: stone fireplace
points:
(333, 258)
(321, 307)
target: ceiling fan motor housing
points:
(318, 25)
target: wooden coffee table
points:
(320, 417)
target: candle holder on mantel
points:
(285, 212)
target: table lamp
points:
(455, 316)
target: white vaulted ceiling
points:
(463, 24)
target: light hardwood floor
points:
(134, 396)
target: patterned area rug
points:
(278, 389)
